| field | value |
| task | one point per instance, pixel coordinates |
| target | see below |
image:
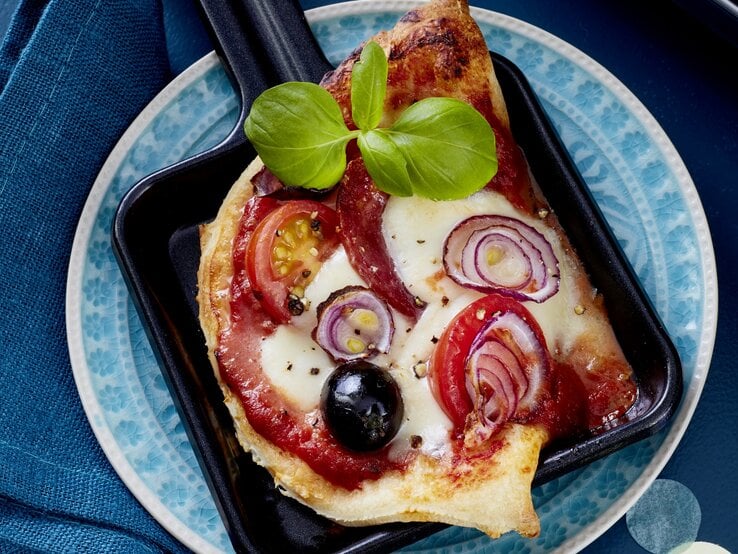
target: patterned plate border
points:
(627, 161)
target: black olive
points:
(362, 405)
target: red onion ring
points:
(524, 265)
(354, 323)
(518, 276)
(496, 408)
(488, 370)
(266, 184)
(496, 352)
(505, 369)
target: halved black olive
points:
(362, 405)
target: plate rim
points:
(705, 346)
(80, 369)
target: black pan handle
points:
(263, 43)
(237, 50)
(285, 38)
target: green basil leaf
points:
(298, 131)
(385, 163)
(449, 148)
(368, 87)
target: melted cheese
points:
(415, 230)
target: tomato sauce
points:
(581, 405)
(564, 411)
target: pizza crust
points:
(434, 50)
(492, 495)
(489, 492)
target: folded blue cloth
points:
(73, 75)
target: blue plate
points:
(636, 177)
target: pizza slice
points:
(396, 358)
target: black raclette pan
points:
(155, 239)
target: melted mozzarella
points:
(415, 230)
(290, 358)
(292, 346)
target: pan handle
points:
(289, 46)
(237, 50)
(263, 43)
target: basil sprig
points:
(439, 148)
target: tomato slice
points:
(285, 252)
(447, 368)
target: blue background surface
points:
(687, 77)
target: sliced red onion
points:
(490, 376)
(512, 386)
(354, 323)
(496, 407)
(495, 253)
(266, 183)
(505, 371)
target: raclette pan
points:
(155, 239)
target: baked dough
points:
(435, 50)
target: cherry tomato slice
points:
(447, 368)
(285, 252)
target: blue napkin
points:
(73, 75)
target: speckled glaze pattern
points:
(633, 171)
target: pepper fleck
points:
(420, 369)
(295, 305)
(314, 370)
